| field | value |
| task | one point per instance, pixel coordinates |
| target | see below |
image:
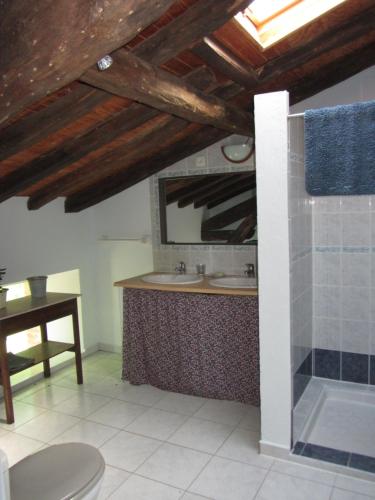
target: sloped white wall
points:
(48, 241)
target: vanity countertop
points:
(201, 287)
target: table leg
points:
(44, 337)
(77, 344)
(5, 381)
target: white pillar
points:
(271, 133)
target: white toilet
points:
(71, 471)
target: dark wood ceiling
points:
(183, 77)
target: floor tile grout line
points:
(199, 473)
(364, 495)
(80, 416)
(152, 454)
(152, 437)
(302, 477)
(261, 485)
(117, 488)
(55, 437)
(106, 441)
(184, 490)
(331, 492)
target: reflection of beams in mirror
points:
(215, 208)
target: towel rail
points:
(296, 115)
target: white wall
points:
(118, 260)
(126, 215)
(271, 132)
(48, 241)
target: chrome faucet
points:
(250, 270)
(180, 268)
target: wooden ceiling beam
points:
(166, 50)
(333, 73)
(139, 171)
(221, 58)
(113, 184)
(342, 35)
(38, 125)
(72, 151)
(200, 20)
(165, 44)
(118, 158)
(160, 130)
(133, 78)
(49, 44)
(75, 149)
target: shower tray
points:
(344, 420)
(340, 428)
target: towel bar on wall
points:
(296, 115)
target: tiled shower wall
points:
(300, 234)
(230, 259)
(344, 287)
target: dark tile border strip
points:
(339, 457)
(326, 454)
(301, 378)
(341, 365)
(362, 462)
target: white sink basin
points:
(172, 279)
(234, 282)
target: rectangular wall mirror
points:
(217, 209)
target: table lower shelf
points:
(42, 352)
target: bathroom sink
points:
(234, 282)
(172, 279)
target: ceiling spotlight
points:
(104, 63)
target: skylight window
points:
(262, 11)
(268, 21)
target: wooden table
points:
(28, 312)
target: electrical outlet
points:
(200, 161)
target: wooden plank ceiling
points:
(183, 77)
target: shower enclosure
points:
(332, 262)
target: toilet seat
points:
(60, 472)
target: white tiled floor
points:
(163, 446)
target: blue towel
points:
(340, 150)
